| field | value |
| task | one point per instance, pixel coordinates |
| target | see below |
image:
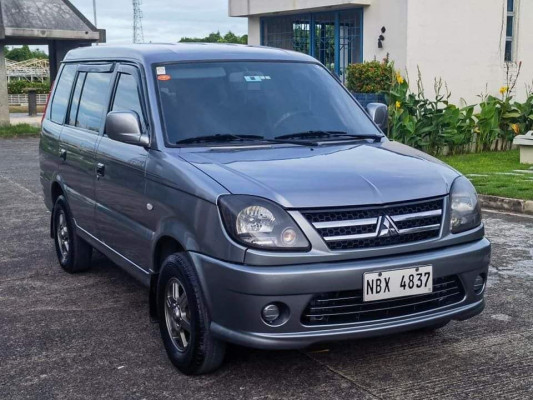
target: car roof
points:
(175, 52)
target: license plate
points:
(397, 283)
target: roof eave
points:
(50, 34)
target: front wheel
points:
(184, 320)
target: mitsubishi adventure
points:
(255, 198)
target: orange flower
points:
(515, 128)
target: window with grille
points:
(510, 30)
(334, 38)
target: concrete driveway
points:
(89, 336)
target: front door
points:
(120, 187)
(79, 136)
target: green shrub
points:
(19, 87)
(370, 77)
(433, 125)
(437, 127)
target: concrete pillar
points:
(57, 50)
(4, 103)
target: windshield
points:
(265, 99)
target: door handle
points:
(100, 170)
(63, 154)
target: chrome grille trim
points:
(387, 225)
(416, 229)
(342, 224)
(410, 217)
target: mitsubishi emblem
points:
(387, 227)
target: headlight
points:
(465, 209)
(260, 223)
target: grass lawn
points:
(19, 130)
(494, 173)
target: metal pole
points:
(94, 9)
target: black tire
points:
(73, 253)
(203, 353)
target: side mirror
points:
(125, 126)
(379, 114)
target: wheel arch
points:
(164, 247)
(56, 190)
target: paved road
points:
(88, 336)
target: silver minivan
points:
(259, 203)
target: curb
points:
(506, 204)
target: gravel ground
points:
(89, 336)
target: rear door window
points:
(92, 102)
(73, 113)
(58, 108)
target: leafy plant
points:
(216, 37)
(439, 127)
(433, 125)
(19, 87)
(370, 76)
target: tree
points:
(23, 53)
(229, 37)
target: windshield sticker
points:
(161, 70)
(164, 77)
(256, 78)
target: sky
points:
(164, 20)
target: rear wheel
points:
(73, 253)
(184, 320)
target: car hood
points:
(327, 175)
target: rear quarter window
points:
(58, 108)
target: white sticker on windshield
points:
(256, 78)
(161, 70)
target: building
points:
(55, 23)
(468, 43)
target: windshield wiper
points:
(328, 135)
(225, 137)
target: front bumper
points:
(236, 294)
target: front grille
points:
(367, 227)
(348, 306)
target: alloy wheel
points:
(177, 314)
(63, 236)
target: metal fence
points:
(22, 99)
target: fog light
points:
(270, 313)
(479, 284)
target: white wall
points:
(463, 42)
(242, 8)
(524, 45)
(254, 31)
(392, 14)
